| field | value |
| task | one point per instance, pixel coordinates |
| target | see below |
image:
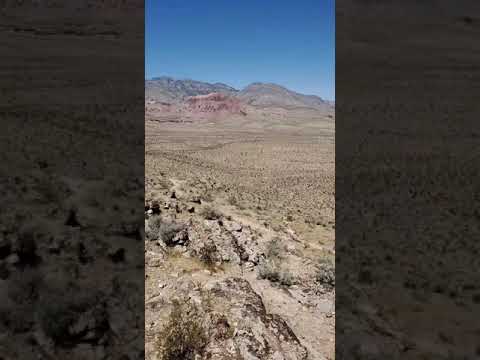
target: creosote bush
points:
(184, 336)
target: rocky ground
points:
(239, 239)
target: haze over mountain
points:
(260, 95)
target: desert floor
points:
(260, 190)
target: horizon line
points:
(233, 87)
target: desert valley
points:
(239, 222)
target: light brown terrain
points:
(244, 238)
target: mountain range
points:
(168, 90)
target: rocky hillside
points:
(167, 89)
(273, 95)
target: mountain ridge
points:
(257, 94)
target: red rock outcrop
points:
(215, 103)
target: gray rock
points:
(253, 334)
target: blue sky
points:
(291, 43)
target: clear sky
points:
(237, 42)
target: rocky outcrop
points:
(215, 103)
(255, 334)
(167, 89)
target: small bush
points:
(208, 254)
(165, 230)
(326, 273)
(168, 230)
(269, 270)
(184, 336)
(209, 213)
(273, 271)
(274, 249)
(286, 278)
(153, 228)
(272, 268)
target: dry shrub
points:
(274, 249)
(168, 230)
(210, 213)
(272, 268)
(165, 230)
(153, 229)
(184, 336)
(208, 255)
(274, 272)
(326, 273)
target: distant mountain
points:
(260, 95)
(168, 89)
(265, 95)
